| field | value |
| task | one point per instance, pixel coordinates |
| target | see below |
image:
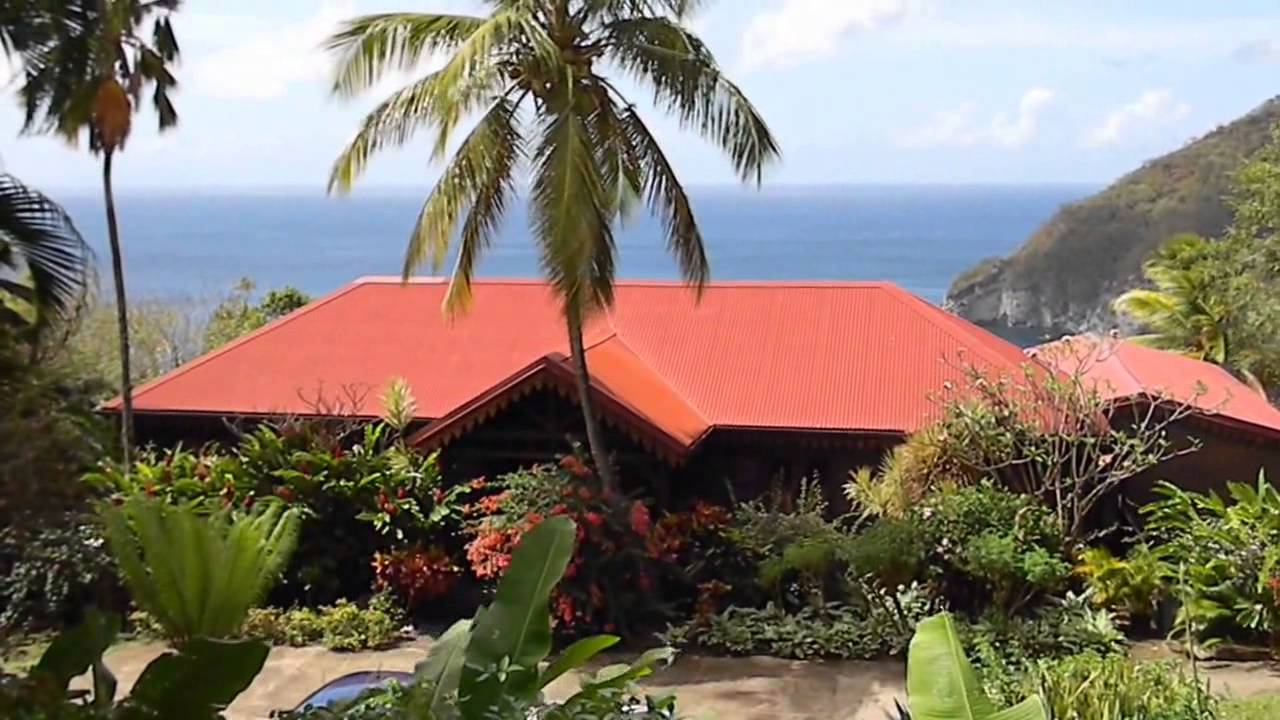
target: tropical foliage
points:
(1085, 687)
(198, 576)
(53, 571)
(543, 78)
(360, 493)
(1182, 311)
(41, 247)
(1225, 553)
(1136, 584)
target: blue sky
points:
(858, 91)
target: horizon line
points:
(284, 188)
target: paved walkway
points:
(708, 688)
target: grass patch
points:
(1266, 707)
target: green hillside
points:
(1066, 274)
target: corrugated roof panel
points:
(839, 356)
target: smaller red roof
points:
(1125, 369)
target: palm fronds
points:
(199, 575)
(1183, 312)
(75, 54)
(38, 239)
(369, 47)
(686, 80)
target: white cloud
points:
(957, 127)
(1010, 29)
(1153, 107)
(265, 62)
(1258, 51)
(801, 30)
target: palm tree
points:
(47, 262)
(540, 73)
(86, 65)
(1184, 312)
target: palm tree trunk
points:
(595, 438)
(122, 314)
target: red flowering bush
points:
(416, 575)
(629, 572)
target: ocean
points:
(197, 245)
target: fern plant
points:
(198, 575)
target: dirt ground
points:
(711, 688)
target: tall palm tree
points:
(45, 264)
(86, 65)
(1185, 311)
(540, 74)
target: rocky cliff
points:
(1065, 276)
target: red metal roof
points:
(805, 355)
(1124, 369)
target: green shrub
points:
(347, 627)
(890, 551)
(1228, 558)
(343, 627)
(52, 573)
(1092, 687)
(836, 630)
(991, 547)
(1003, 646)
(199, 575)
(799, 552)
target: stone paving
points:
(712, 688)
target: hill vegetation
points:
(1067, 274)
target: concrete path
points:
(709, 688)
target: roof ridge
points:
(663, 379)
(1115, 352)
(913, 302)
(243, 339)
